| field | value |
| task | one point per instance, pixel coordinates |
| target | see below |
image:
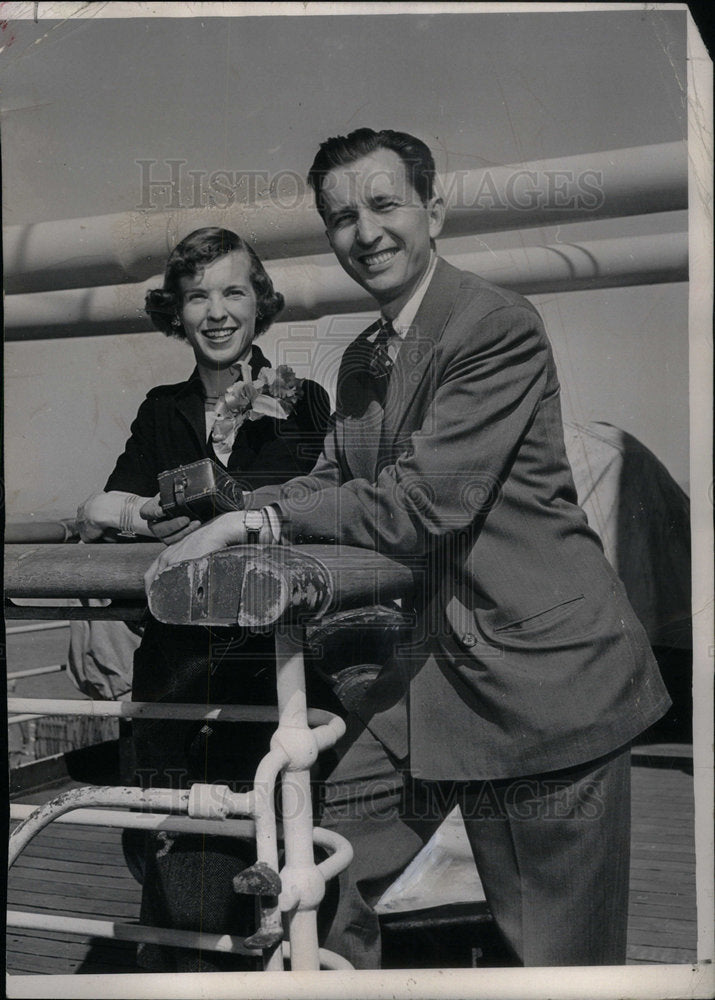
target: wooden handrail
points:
(47, 531)
(61, 571)
(246, 585)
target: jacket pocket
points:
(548, 617)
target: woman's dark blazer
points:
(170, 430)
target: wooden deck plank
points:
(26, 884)
(653, 864)
(651, 938)
(662, 880)
(662, 913)
(117, 870)
(669, 900)
(74, 854)
(77, 833)
(69, 906)
(78, 878)
(48, 965)
(72, 949)
(660, 956)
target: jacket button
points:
(469, 639)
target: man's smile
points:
(378, 258)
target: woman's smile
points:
(218, 310)
(219, 335)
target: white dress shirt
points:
(406, 316)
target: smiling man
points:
(381, 227)
(528, 674)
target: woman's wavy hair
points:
(192, 255)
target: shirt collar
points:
(406, 316)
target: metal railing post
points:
(303, 883)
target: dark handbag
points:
(201, 490)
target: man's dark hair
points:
(341, 150)
(188, 258)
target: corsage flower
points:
(273, 393)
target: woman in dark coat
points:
(263, 427)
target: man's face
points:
(378, 228)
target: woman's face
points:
(218, 310)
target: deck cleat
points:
(258, 880)
(265, 937)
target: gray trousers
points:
(552, 851)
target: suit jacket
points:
(170, 430)
(527, 656)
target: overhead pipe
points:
(131, 246)
(318, 286)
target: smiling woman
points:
(216, 293)
(218, 311)
(264, 426)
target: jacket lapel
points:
(250, 436)
(189, 403)
(413, 360)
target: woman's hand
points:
(108, 514)
(168, 530)
(92, 517)
(228, 529)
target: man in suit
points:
(528, 674)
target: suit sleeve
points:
(324, 474)
(490, 376)
(136, 469)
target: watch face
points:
(254, 520)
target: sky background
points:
(83, 100)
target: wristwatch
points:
(253, 522)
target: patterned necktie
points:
(381, 364)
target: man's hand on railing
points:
(237, 528)
(168, 530)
